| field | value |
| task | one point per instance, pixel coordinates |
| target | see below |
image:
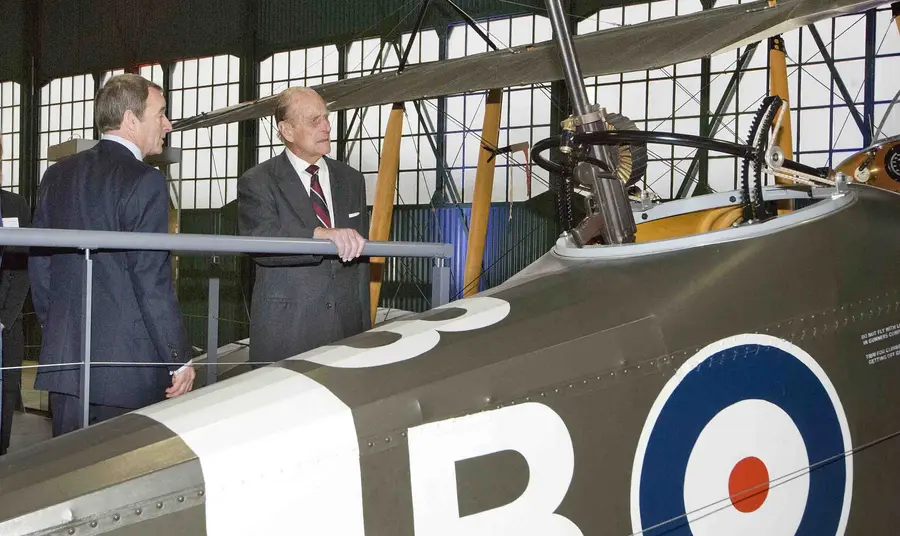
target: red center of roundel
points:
(748, 484)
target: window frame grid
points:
(219, 185)
(10, 132)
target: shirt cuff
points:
(180, 370)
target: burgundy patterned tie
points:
(318, 197)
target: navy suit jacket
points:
(135, 314)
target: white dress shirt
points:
(122, 141)
(300, 166)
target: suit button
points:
(328, 305)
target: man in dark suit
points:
(135, 314)
(305, 301)
(13, 290)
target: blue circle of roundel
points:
(725, 378)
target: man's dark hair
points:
(119, 94)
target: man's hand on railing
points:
(182, 382)
(348, 241)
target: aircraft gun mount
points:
(609, 216)
(759, 156)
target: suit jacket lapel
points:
(339, 196)
(292, 188)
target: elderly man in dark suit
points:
(305, 301)
(136, 317)
(13, 290)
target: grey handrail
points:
(199, 243)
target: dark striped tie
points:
(318, 197)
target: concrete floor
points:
(28, 429)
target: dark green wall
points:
(12, 26)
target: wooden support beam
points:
(484, 186)
(779, 86)
(385, 192)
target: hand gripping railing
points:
(194, 244)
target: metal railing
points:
(196, 244)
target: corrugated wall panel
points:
(515, 238)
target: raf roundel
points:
(749, 437)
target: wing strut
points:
(385, 191)
(781, 130)
(484, 185)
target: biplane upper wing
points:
(649, 45)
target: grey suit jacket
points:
(302, 302)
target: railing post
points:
(212, 325)
(440, 282)
(86, 339)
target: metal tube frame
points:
(848, 100)
(88, 241)
(86, 306)
(716, 120)
(869, 80)
(440, 161)
(474, 25)
(212, 325)
(412, 37)
(430, 134)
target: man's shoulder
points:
(262, 170)
(11, 197)
(101, 155)
(342, 169)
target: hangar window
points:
(303, 67)
(207, 175)
(366, 127)
(10, 125)
(669, 99)
(525, 113)
(67, 112)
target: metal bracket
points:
(598, 114)
(841, 185)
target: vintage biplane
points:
(720, 364)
